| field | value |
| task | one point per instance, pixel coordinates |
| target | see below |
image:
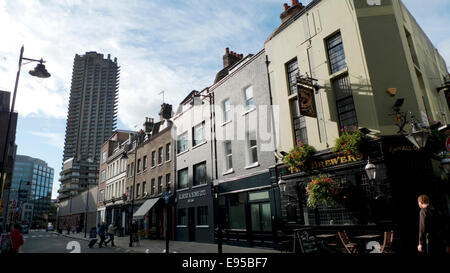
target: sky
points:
(175, 46)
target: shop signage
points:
(334, 161)
(193, 194)
(402, 148)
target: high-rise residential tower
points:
(91, 120)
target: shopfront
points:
(247, 210)
(195, 214)
(388, 202)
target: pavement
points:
(159, 246)
(40, 241)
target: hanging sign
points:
(306, 102)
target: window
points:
(292, 71)
(144, 163)
(137, 190)
(261, 217)
(299, 122)
(103, 176)
(336, 53)
(249, 98)
(236, 211)
(344, 101)
(202, 216)
(152, 190)
(153, 158)
(144, 189)
(252, 147)
(168, 147)
(167, 179)
(228, 155)
(139, 165)
(160, 184)
(101, 196)
(226, 110)
(160, 155)
(182, 143)
(199, 134)
(412, 49)
(183, 179)
(200, 174)
(104, 157)
(182, 217)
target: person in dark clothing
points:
(429, 241)
(102, 234)
(93, 237)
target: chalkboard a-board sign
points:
(307, 241)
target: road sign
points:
(166, 198)
(447, 144)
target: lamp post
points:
(167, 215)
(418, 137)
(40, 72)
(130, 221)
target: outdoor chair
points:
(387, 244)
(349, 246)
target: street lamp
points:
(418, 137)
(41, 72)
(125, 156)
(282, 185)
(371, 170)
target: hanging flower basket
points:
(349, 143)
(298, 158)
(322, 191)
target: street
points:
(40, 241)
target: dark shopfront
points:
(116, 213)
(247, 210)
(387, 203)
(195, 214)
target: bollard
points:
(219, 240)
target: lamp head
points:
(40, 71)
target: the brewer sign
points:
(334, 161)
(193, 194)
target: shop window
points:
(182, 217)
(202, 216)
(261, 217)
(258, 196)
(236, 211)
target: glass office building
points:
(33, 183)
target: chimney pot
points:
(227, 51)
(286, 6)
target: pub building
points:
(386, 201)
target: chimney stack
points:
(148, 125)
(166, 111)
(230, 57)
(291, 11)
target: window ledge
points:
(226, 122)
(187, 150)
(202, 226)
(182, 226)
(159, 165)
(200, 144)
(168, 161)
(249, 111)
(230, 171)
(199, 186)
(339, 73)
(183, 189)
(253, 165)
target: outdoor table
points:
(365, 239)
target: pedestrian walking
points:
(93, 237)
(13, 241)
(429, 226)
(111, 232)
(102, 233)
(74, 229)
(68, 228)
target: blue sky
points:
(175, 46)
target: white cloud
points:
(52, 139)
